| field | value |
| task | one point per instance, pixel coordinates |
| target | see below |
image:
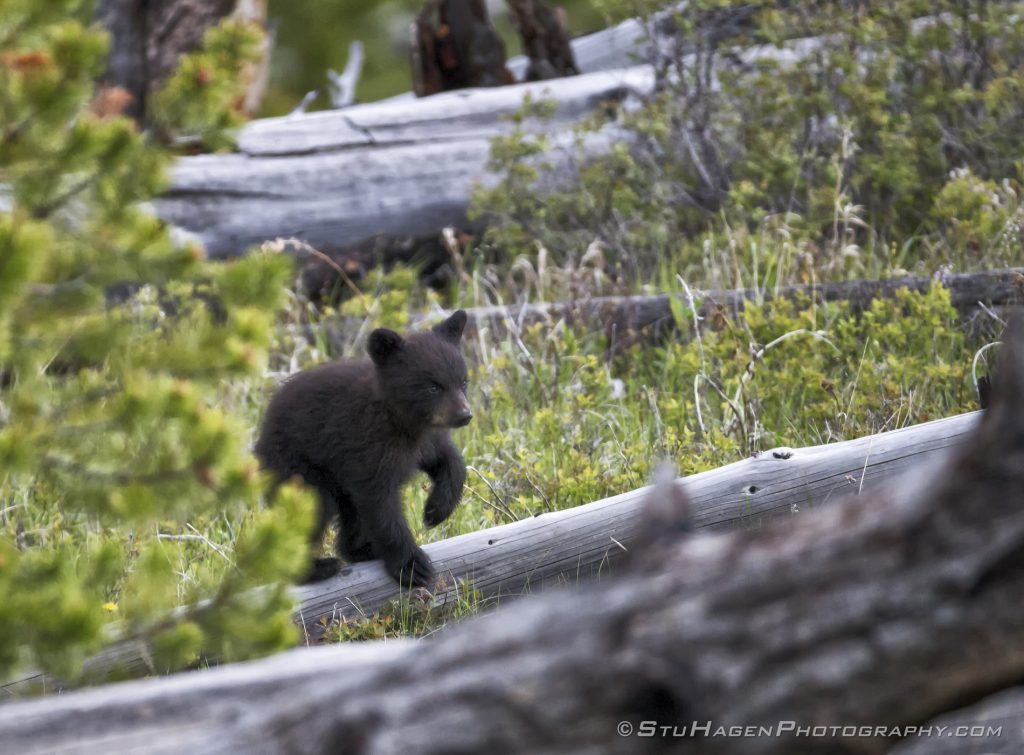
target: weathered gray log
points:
(623, 316)
(583, 543)
(883, 612)
(335, 178)
(443, 118)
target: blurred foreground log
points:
(860, 622)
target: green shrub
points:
(118, 452)
(850, 159)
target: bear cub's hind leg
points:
(323, 567)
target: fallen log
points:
(584, 543)
(858, 620)
(626, 316)
(338, 177)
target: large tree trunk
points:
(883, 612)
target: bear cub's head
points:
(423, 376)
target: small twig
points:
(758, 355)
(700, 348)
(696, 404)
(738, 417)
(279, 244)
(503, 507)
(307, 99)
(75, 285)
(197, 536)
(46, 209)
(529, 479)
(974, 364)
(341, 87)
(864, 469)
(696, 318)
(991, 313)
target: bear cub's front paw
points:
(440, 505)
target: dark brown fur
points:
(357, 431)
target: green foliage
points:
(53, 611)
(118, 349)
(854, 161)
(203, 98)
(980, 218)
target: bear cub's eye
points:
(465, 383)
(434, 388)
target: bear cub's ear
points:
(451, 329)
(383, 345)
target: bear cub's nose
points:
(463, 418)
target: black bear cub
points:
(357, 431)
